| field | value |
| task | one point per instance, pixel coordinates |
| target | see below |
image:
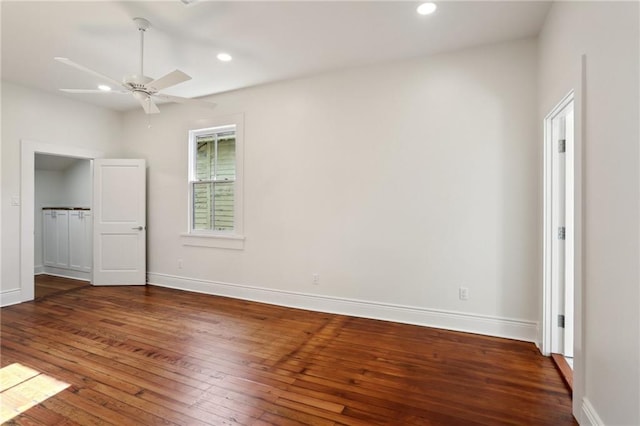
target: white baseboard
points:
(10, 297)
(38, 270)
(457, 321)
(67, 273)
(590, 416)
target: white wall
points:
(38, 116)
(396, 183)
(608, 363)
(48, 193)
(77, 184)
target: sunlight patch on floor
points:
(22, 387)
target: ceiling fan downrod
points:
(143, 25)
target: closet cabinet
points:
(67, 241)
(80, 240)
(56, 238)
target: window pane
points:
(203, 206)
(205, 158)
(224, 199)
(226, 167)
(213, 183)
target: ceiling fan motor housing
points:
(138, 82)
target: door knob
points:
(139, 228)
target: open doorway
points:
(29, 150)
(559, 232)
(63, 224)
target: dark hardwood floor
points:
(149, 355)
(46, 285)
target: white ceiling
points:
(269, 41)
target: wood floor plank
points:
(14, 374)
(42, 416)
(46, 285)
(150, 355)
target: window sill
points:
(234, 242)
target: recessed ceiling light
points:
(104, 87)
(427, 8)
(224, 57)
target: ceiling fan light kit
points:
(143, 88)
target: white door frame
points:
(27, 195)
(549, 234)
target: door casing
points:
(27, 197)
(549, 319)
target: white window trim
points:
(226, 241)
(211, 238)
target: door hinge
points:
(561, 321)
(562, 146)
(562, 232)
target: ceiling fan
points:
(142, 88)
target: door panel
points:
(119, 203)
(50, 238)
(62, 239)
(76, 241)
(80, 229)
(120, 252)
(119, 218)
(67, 239)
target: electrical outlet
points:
(463, 293)
(315, 279)
(179, 263)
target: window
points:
(215, 190)
(213, 178)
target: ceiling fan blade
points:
(189, 101)
(168, 80)
(119, 92)
(69, 62)
(147, 103)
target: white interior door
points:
(559, 227)
(569, 281)
(562, 246)
(119, 217)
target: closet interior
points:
(63, 217)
